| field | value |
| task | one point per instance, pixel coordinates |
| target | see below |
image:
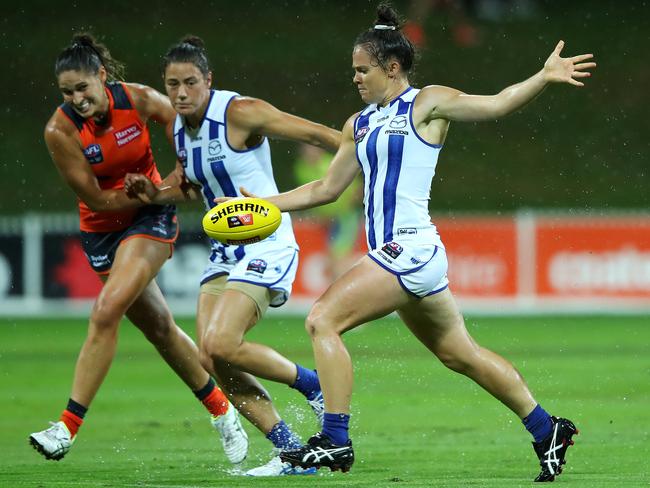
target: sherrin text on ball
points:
(242, 221)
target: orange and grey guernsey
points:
(122, 145)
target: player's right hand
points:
(244, 193)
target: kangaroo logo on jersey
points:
(398, 122)
(214, 147)
(256, 266)
(181, 154)
(361, 133)
(93, 153)
(393, 249)
(239, 220)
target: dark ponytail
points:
(86, 54)
(190, 49)
(385, 40)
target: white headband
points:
(384, 27)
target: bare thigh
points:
(437, 322)
(137, 262)
(365, 292)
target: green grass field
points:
(414, 423)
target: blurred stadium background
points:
(544, 212)
(544, 209)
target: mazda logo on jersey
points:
(93, 153)
(214, 147)
(398, 122)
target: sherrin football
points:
(242, 221)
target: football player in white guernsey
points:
(221, 143)
(395, 142)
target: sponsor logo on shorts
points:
(393, 249)
(93, 153)
(406, 231)
(239, 220)
(398, 122)
(129, 134)
(239, 207)
(361, 133)
(256, 266)
(99, 260)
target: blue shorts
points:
(264, 264)
(151, 222)
(421, 269)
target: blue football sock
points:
(306, 382)
(538, 423)
(335, 426)
(282, 437)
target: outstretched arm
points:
(256, 116)
(341, 172)
(446, 103)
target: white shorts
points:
(271, 267)
(421, 269)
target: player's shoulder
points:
(348, 126)
(245, 105)
(59, 127)
(149, 102)
(433, 95)
(140, 94)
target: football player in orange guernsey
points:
(95, 137)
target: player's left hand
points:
(244, 192)
(566, 70)
(140, 187)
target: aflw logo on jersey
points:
(239, 207)
(93, 153)
(124, 136)
(361, 133)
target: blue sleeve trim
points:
(437, 146)
(225, 124)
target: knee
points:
(319, 323)
(106, 315)
(215, 349)
(459, 364)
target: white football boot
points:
(275, 467)
(318, 406)
(233, 436)
(52, 443)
